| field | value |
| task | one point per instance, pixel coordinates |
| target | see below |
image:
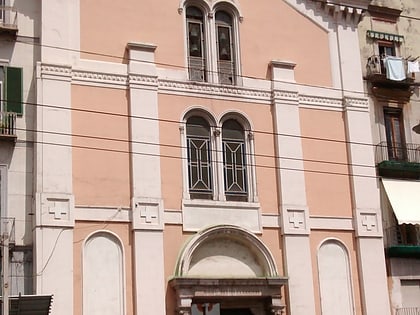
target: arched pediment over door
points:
(230, 268)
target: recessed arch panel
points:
(103, 275)
(225, 251)
(335, 279)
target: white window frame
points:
(204, 42)
(234, 43)
(209, 10)
(217, 167)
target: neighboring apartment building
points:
(19, 50)
(389, 36)
(197, 157)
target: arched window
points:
(218, 158)
(199, 158)
(234, 161)
(225, 48)
(196, 44)
(212, 41)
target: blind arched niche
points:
(103, 275)
(334, 279)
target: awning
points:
(404, 196)
(28, 305)
(385, 36)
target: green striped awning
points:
(385, 36)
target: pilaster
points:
(54, 201)
(366, 205)
(292, 193)
(147, 204)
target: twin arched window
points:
(212, 45)
(210, 158)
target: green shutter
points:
(14, 90)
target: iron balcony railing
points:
(403, 152)
(403, 234)
(408, 311)
(7, 124)
(376, 66)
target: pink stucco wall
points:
(326, 163)
(270, 29)
(101, 167)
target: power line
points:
(216, 162)
(271, 133)
(183, 67)
(128, 141)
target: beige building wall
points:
(401, 18)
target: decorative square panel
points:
(369, 223)
(295, 221)
(59, 209)
(147, 214)
(54, 209)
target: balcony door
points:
(385, 49)
(394, 130)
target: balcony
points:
(408, 311)
(385, 85)
(8, 21)
(403, 241)
(398, 160)
(8, 126)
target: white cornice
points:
(105, 78)
(215, 91)
(300, 97)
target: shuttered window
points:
(13, 90)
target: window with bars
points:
(219, 172)
(234, 161)
(199, 158)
